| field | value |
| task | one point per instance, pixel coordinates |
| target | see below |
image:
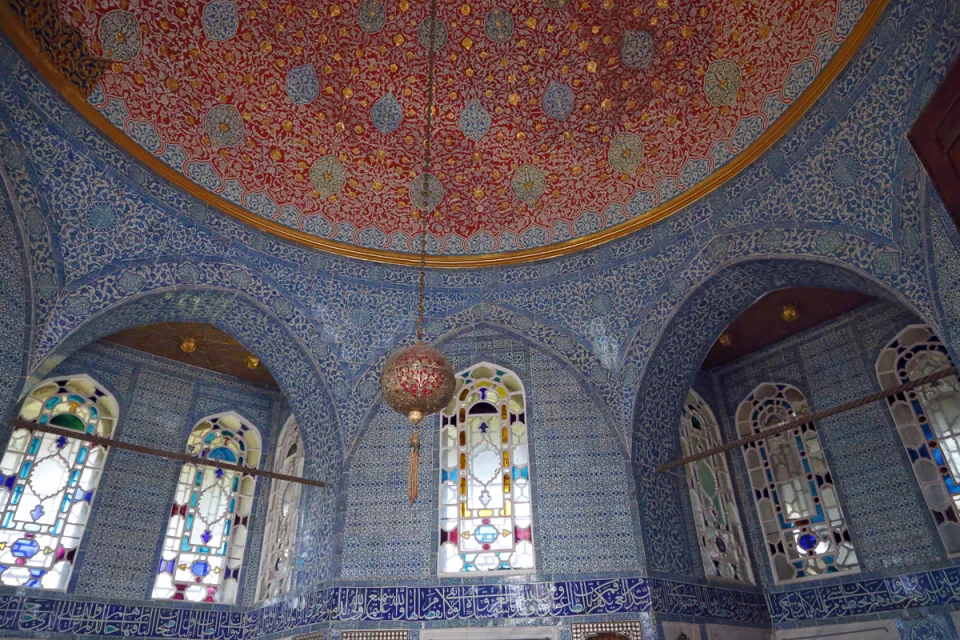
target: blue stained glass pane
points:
(17, 493)
(233, 504)
(223, 549)
(229, 434)
(209, 437)
(78, 494)
(82, 455)
(236, 483)
(799, 443)
(199, 478)
(952, 486)
(94, 414)
(927, 432)
(25, 470)
(189, 523)
(924, 452)
(226, 528)
(938, 456)
(203, 549)
(7, 519)
(185, 544)
(58, 526)
(10, 481)
(78, 399)
(44, 419)
(243, 447)
(806, 465)
(200, 568)
(193, 499)
(74, 477)
(65, 504)
(25, 548)
(34, 446)
(769, 476)
(763, 453)
(223, 453)
(807, 541)
(88, 496)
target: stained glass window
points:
(715, 513)
(280, 533)
(47, 482)
(485, 483)
(205, 537)
(928, 419)
(803, 525)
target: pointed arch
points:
(283, 512)
(486, 516)
(928, 420)
(716, 517)
(204, 543)
(800, 514)
(49, 481)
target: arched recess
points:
(17, 286)
(268, 337)
(588, 518)
(676, 356)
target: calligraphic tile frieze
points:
(866, 597)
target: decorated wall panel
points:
(834, 363)
(159, 401)
(581, 505)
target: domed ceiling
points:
(556, 119)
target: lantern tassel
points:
(414, 477)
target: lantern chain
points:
(428, 139)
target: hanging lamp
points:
(418, 380)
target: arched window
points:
(715, 513)
(928, 419)
(486, 521)
(803, 525)
(280, 533)
(207, 531)
(48, 481)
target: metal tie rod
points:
(810, 417)
(161, 453)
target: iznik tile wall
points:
(584, 509)
(160, 402)
(889, 522)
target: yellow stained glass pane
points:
(463, 461)
(504, 435)
(463, 438)
(463, 486)
(485, 513)
(506, 459)
(507, 508)
(506, 483)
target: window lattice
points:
(803, 525)
(485, 484)
(280, 533)
(928, 419)
(203, 546)
(49, 481)
(715, 513)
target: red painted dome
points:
(556, 118)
